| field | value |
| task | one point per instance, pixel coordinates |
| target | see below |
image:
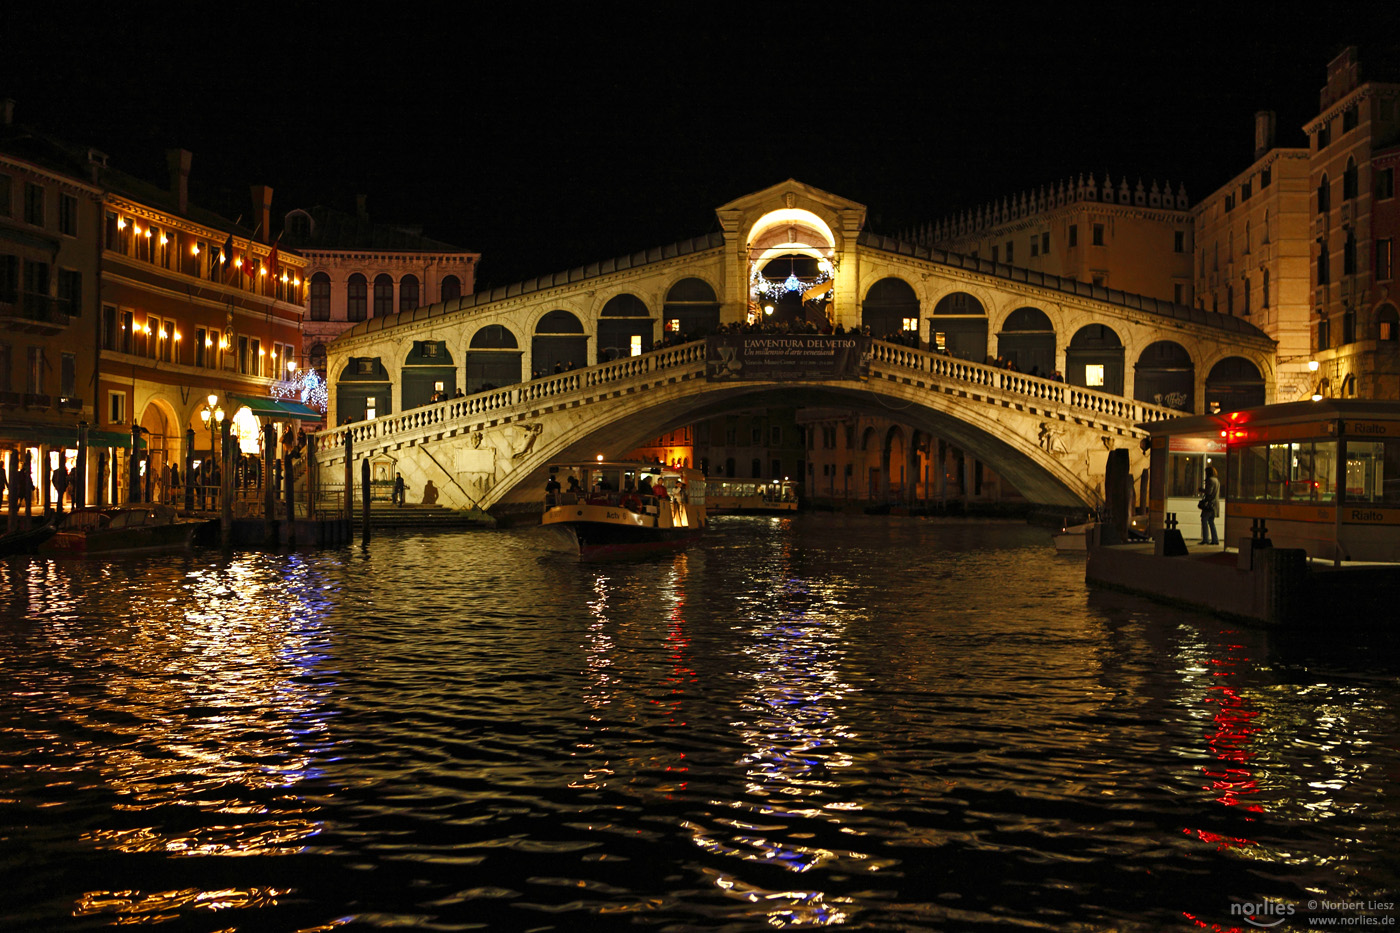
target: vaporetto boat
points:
(608, 509)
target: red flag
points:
(272, 258)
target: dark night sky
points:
(561, 135)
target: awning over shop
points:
(276, 407)
(61, 436)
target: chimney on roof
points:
(1265, 122)
(262, 210)
(7, 111)
(179, 162)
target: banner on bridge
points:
(786, 357)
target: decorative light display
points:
(308, 388)
(762, 287)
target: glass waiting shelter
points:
(1323, 476)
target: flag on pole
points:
(272, 258)
(226, 257)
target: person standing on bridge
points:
(1208, 504)
(400, 490)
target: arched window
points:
(356, 297)
(1387, 324)
(1324, 267)
(1349, 254)
(691, 310)
(890, 307)
(1324, 201)
(383, 294)
(1246, 296)
(408, 292)
(316, 356)
(320, 297)
(1264, 291)
(1349, 181)
(451, 288)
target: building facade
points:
(49, 221)
(1252, 258)
(360, 270)
(199, 321)
(1135, 239)
(1352, 143)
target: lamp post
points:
(212, 414)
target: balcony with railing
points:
(32, 312)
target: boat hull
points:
(606, 541)
(119, 532)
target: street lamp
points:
(212, 414)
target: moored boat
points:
(26, 540)
(150, 528)
(621, 508)
(752, 497)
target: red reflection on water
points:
(1232, 777)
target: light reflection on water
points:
(821, 721)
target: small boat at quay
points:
(150, 528)
(26, 540)
(606, 510)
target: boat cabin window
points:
(1186, 474)
(1373, 471)
(1296, 471)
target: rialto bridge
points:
(597, 360)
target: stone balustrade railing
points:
(904, 360)
(500, 404)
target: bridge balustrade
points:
(690, 357)
(1059, 394)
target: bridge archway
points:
(1094, 359)
(890, 307)
(1234, 383)
(1165, 375)
(959, 327)
(624, 324)
(363, 390)
(691, 307)
(1027, 340)
(493, 359)
(559, 343)
(428, 370)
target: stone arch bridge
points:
(490, 450)
(600, 359)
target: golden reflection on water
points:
(204, 701)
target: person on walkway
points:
(400, 490)
(1209, 503)
(60, 483)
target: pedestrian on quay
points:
(400, 490)
(1208, 505)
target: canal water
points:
(861, 723)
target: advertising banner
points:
(786, 357)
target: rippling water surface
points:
(874, 724)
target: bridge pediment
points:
(788, 201)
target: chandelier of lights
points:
(760, 286)
(308, 388)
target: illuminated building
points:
(359, 270)
(1135, 239)
(49, 210)
(1252, 253)
(1352, 142)
(191, 306)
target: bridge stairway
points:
(423, 517)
